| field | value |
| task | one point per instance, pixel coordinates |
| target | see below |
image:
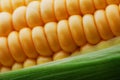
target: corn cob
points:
(11, 5)
(38, 14)
(57, 40)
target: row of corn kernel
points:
(37, 13)
(11, 5)
(32, 62)
(66, 35)
(60, 55)
(18, 47)
(101, 45)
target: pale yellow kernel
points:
(76, 52)
(4, 69)
(60, 55)
(87, 48)
(17, 66)
(41, 59)
(115, 41)
(103, 45)
(108, 43)
(29, 63)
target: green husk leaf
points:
(99, 65)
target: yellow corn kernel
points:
(6, 6)
(103, 45)
(5, 23)
(90, 29)
(108, 43)
(76, 52)
(5, 56)
(33, 14)
(64, 36)
(47, 12)
(102, 25)
(15, 47)
(100, 4)
(17, 66)
(51, 35)
(25, 36)
(76, 28)
(60, 55)
(41, 59)
(87, 48)
(29, 63)
(19, 18)
(40, 42)
(113, 17)
(73, 7)
(4, 69)
(60, 9)
(87, 6)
